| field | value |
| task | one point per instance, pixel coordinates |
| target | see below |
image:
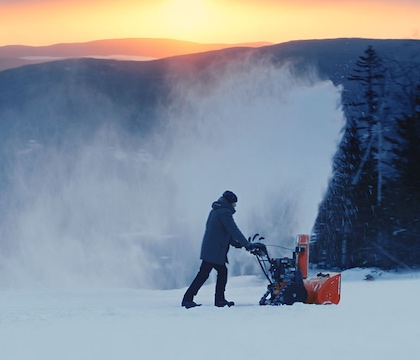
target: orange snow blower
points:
(288, 277)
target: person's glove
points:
(257, 249)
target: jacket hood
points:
(222, 203)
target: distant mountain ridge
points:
(127, 49)
(137, 86)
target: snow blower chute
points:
(288, 277)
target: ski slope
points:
(374, 320)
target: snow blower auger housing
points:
(288, 277)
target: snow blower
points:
(288, 277)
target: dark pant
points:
(203, 275)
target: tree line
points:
(370, 214)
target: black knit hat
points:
(230, 196)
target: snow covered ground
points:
(374, 320)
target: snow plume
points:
(261, 131)
(124, 211)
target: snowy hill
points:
(374, 320)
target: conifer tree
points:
(350, 224)
(406, 187)
(336, 227)
(368, 182)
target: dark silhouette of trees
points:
(370, 213)
(405, 203)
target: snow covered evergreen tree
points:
(406, 187)
(351, 229)
(336, 225)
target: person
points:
(221, 232)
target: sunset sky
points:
(45, 22)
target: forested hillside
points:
(370, 215)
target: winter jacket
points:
(221, 231)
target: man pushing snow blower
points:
(288, 277)
(221, 232)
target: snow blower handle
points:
(257, 249)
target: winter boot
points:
(189, 304)
(222, 302)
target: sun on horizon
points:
(46, 22)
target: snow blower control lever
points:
(287, 277)
(257, 248)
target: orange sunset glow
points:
(44, 22)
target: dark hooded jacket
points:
(221, 231)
